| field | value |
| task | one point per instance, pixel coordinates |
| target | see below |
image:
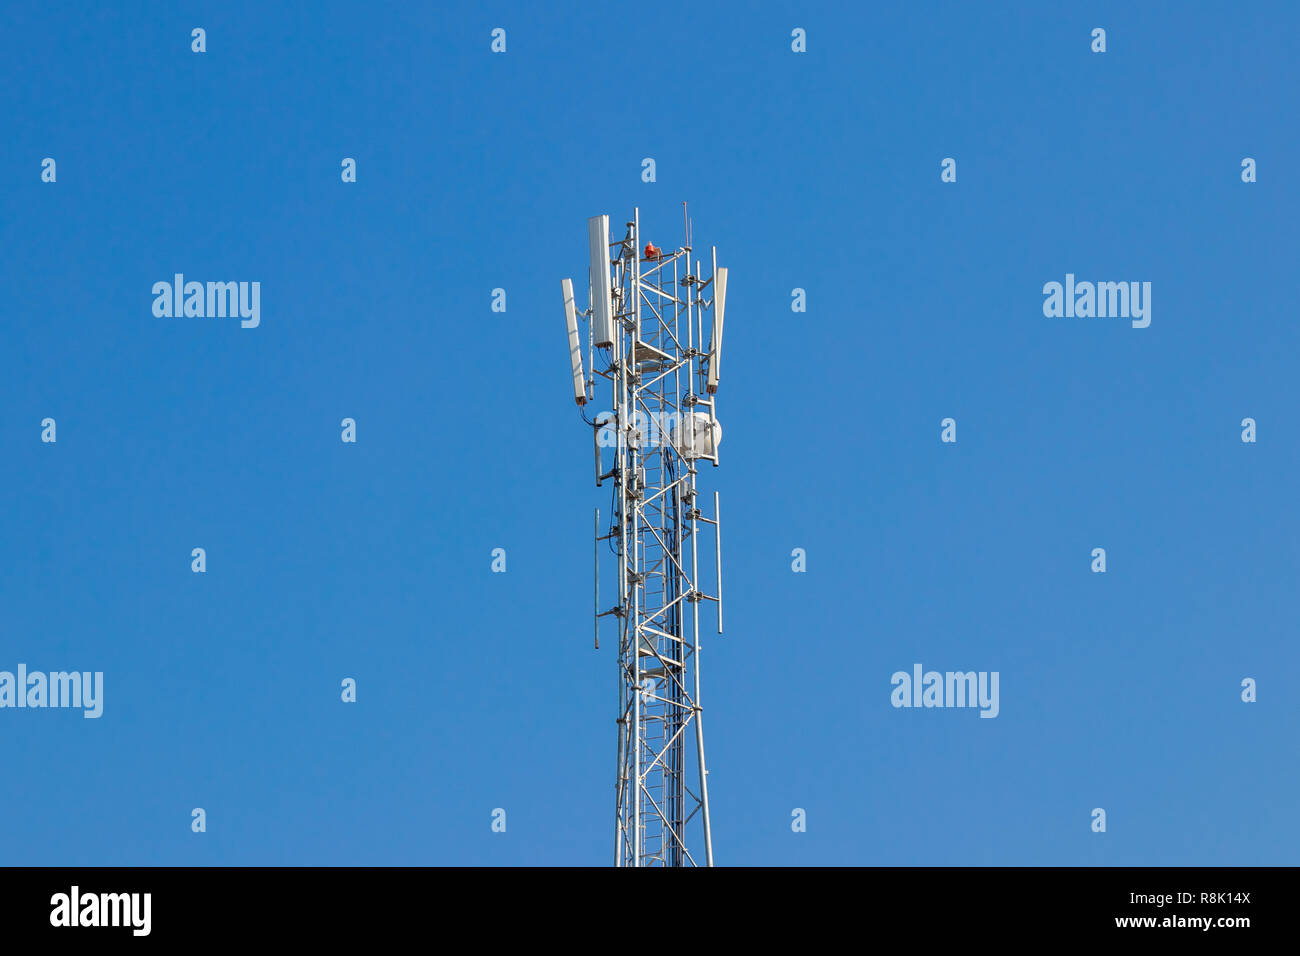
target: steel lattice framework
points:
(661, 379)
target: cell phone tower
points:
(646, 351)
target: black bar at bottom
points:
(367, 905)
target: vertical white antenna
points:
(575, 345)
(598, 239)
(715, 342)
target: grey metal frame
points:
(654, 374)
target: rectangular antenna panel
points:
(575, 344)
(602, 319)
(715, 343)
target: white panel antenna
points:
(575, 345)
(602, 319)
(715, 342)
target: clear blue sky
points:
(819, 171)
